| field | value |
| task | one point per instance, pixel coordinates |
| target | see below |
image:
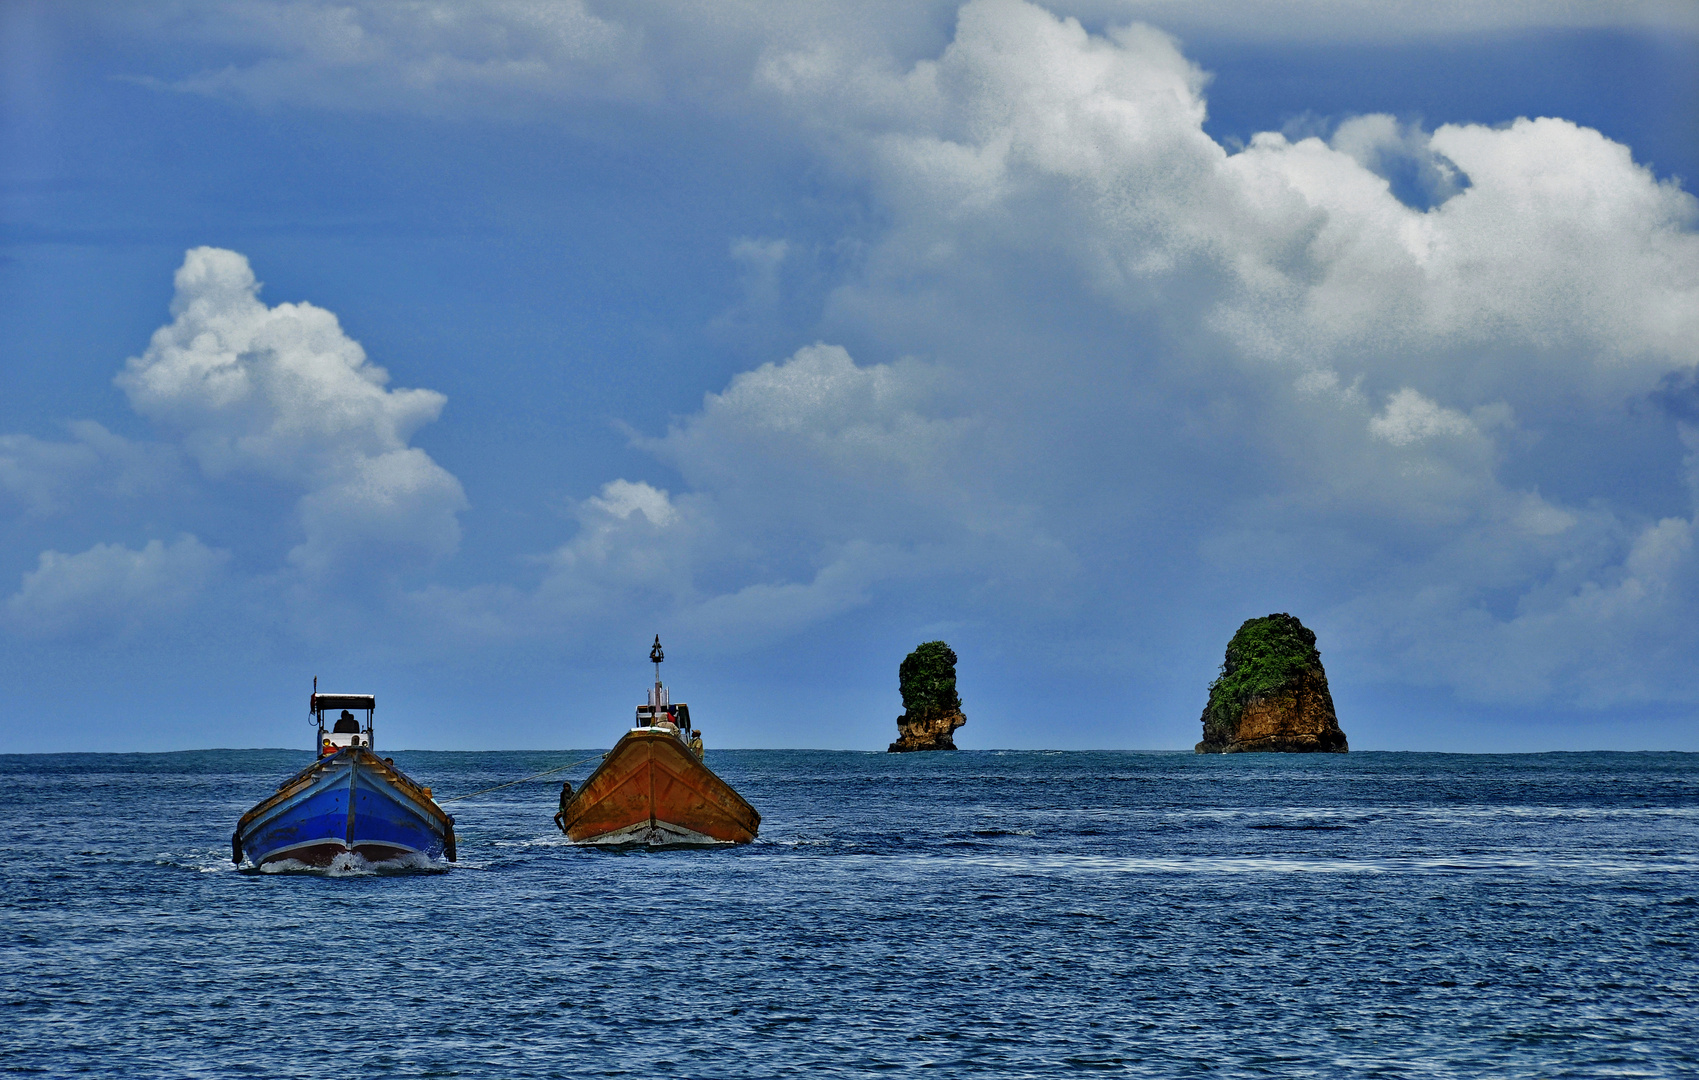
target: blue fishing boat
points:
(348, 801)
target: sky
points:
(450, 352)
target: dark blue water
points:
(1010, 914)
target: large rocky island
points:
(931, 709)
(1271, 694)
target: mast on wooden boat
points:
(655, 657)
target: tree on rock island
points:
(1271, 694)
(931, 709)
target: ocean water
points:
(977, 913)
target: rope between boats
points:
(511, 783)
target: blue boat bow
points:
(348, 801)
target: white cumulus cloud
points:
(1545, 271)
(45, 477)
(1409, 417)
(284, 393)
(113, 589)
(813, 484)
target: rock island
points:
(931, 709)
(1271, 694)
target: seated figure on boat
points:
(346, 731)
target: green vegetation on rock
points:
(1266, 655)
(927, 679)
(1271, 695)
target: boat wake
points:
(352, 864)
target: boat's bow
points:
(349, 801)
(650, 789)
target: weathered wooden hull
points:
(352, 801)
(651, 790)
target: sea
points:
(976, 913)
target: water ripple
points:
(999, 914)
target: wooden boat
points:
(652, 789)
(348, 801)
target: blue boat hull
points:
(351, 802)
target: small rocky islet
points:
(932, 710)
(1271, 694)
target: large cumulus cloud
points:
(283, 393)
(114, 590)
(275, 398)
(1372, 374)
(814, 486)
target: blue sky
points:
(449, 352)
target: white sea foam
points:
(1080, 865)
(352, 864)
(204, 861)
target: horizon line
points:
(840, 750)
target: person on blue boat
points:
(345, 725)
(348, 799)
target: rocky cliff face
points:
(932, 710)
(928, 731)
(1272, 693)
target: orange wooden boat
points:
(653, 790)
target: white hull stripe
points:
(283, 852)
(660, 834)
